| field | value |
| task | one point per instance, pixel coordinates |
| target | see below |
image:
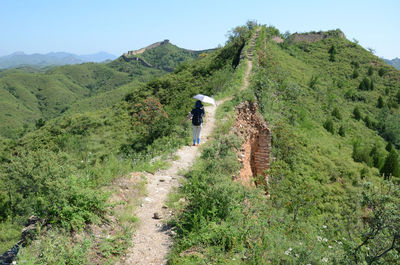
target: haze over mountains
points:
(395, 62)
(18, 59)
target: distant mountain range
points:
(19, 59)
(395, 62)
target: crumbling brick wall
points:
(255, 152)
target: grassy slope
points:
(316, 204)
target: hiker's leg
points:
(194, 134)
(198, 135)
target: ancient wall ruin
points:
(254, 154)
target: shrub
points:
(342, 131)
(355, 64)
(380, 103)
(377, 157)
(328, 125)
(382, 71)
(370, 71)
(361, 154)
(336, 113)
(332, 53)
(368, 122)
(355, 74)
(313, 82)
(40, 123)
(366, 84)
(398, 97)
(357, 113)
(391, 166)
(389, 147)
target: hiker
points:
(196, 115)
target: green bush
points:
(370, 71)
(328, 125)
(380, 103)
(355, 74)
(357, 113)
(366, 84)
(342, 131)
(391, 167)
(369, 122)
(332, 53)
(336, 113)
(362, 154)
(381, 71)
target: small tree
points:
(370, 71)
(355, 74)
(366, 84)
(332, 53)
(368, 122)
(389, 147)
(313, 82)
(357, 113)
(382, 71)
(380, 102)
(328, 125)
(336, 113)
(391, 166)
(40, 123)
(342, 131)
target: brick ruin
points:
(254, 154)
(154, 45)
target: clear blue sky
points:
(116, 26)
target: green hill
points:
(333, 193)
(28, 95)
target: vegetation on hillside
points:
(330, 199)
(28, 94)
(57, 172)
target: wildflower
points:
(319, 238)
(330, 247)
(325, 240)
(324, 226)
(325, 260)
(297, 255)
(340, 242)
(287, 252)
(81, 161)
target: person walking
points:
(197, 115)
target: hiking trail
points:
(152, 239)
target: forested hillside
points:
(58, 171)
(30, 96)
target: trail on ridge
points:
(152, 239)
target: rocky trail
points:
(152, 240)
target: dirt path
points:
(250, 60)
(152, 240)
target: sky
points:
(116, 26)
